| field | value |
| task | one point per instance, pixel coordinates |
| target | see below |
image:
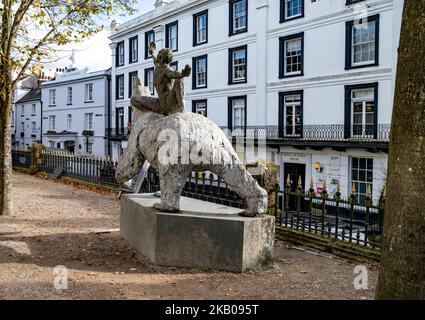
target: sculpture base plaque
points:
(202, 234)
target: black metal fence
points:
(342, 219)
(100, 170)
(358, 222)
(201, 185)
(21, 158)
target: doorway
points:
(294, 171)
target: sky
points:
(95, 53)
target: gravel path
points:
(56, 224)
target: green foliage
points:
(88, 133)
(32, 30)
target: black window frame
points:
(167, 33)
(195, 31)
(281, 112)
(117, 87)
(230, 65)
(194, 72)
(347, 108)
(230, 111)
(130, 46)
(147, 33)
(282, 41)
(130, 86)
(117, 54)
(351, 2)
(282, 12)
(349, 43)
(145, 80)
(231, 31)
(117, 124)
(195, 102)
(130, 114)
(175, 63)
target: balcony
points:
(116, 134)
(318, 136)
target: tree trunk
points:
(403, 253)
(5, 147)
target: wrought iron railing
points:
(358, 222)
(116, 132)
(322, 132)
(100, 170)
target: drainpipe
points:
(109, 117)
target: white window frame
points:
(151, 38)
(201, 108)
(52, 123)
(201, 32)
(88, 121)
(22, 110)
(69, 96)
(357, 182)
(300, 5)
(121, 54)
(361, 44)
(201, 75)
(33, 109)
(33, 125)
(292, 101)
(52, 97)
(285, 57)
(364, 100)
(240, 65)
(237, 15)
(134, 46)
(89, 92)
(149, 81)
(88, 147)
(242, 108)
(121, 87)
(172, 39)
(69, 122)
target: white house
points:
(23, 88)
(314, 77)
(75, 111)
(28, 119)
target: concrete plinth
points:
(203, 234)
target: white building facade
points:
(27, 115)
(314, 77)
(75, 111)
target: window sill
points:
(374, 64)
(90, 101)
(237, 82)
(283, 20)
(135, 61)
(52, 105)
(198, 88)
(196, 44)
(234, 33)
(291, 75)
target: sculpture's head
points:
(165, 56)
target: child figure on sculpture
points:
(168, 83)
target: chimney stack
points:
(160, 3)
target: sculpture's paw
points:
(256, 204)
(160, 207)
(248, 214)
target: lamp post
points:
(87, 134)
